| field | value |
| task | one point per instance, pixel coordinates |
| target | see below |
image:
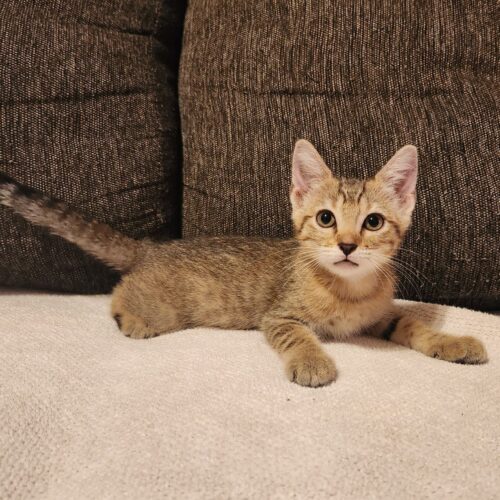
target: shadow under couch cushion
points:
(359, 79)
(88, 114)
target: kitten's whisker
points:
(410, 270)
(418, 273)
(410, 279)
(405, 273)
(404, 266)
(303, 259)
(381, 269)
(402, 249)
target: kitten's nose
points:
(347, 248)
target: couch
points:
(93, 106)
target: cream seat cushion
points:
(205, 413)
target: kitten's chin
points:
(349, 270)
(345, 264)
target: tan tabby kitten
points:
(334, 280)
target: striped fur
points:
(298, 291)
(99, 240)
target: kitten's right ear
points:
(308, 169)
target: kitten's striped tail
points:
(111, 247)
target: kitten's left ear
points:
(400, 176)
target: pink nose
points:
(347, 248)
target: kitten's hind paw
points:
(133, 326)
(467, 350)
(311, 369)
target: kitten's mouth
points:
(346, 263)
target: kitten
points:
(332, 281)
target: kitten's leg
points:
(409, 332)
(140, 314)
(131, 325)
(305, 361)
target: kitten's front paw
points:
(458, 350)
(311, 370)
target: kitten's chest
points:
(341, 319)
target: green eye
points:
(325, 218)
(373, 222)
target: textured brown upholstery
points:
(359, 79)
(88, 113)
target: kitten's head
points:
(351, 227)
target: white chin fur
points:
(334, 263)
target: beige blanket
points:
(208, 414)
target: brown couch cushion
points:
(359, 79)
(88, 113)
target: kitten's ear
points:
(308, 169)
(400, 176)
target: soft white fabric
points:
(208, 414)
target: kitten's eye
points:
(374, 222)
(325, 218)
